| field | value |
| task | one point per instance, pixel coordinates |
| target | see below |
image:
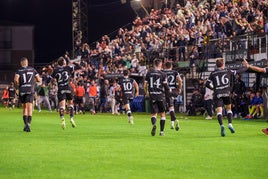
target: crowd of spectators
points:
(177, 33)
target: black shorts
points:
(170, 97)
(174, 93)
(79, 100)
(170, 100)
(118, 100)
(126, 100)
(157, 106)
(26, 98)
(219, 102)
(68, 95)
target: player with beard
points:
(175, 84)
(156, 86)
(62, 73)
(25, 78)
(219, 81)
(127, 86)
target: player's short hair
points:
(168, 64)
(61, 61)
(125, 72)
(24, 61)
(157, 62)
(219, 62)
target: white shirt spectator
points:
(208, 94)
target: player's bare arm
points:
(16, 79)
(146, 88)
(254, 68)
(179, 84)
(136, 86)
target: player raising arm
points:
(261, 70)
(62, 73)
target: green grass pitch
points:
(106, 146)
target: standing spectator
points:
(12, 95)
(208, 101)
(135, 63)
(42, 93)
(227, 26)
(219, 81)
(194, 56)
(155, 85)
(93, 95)
(5, 97)
(127, 86)
(46, 78)
(104, 92)
(239, 89)
(85, 51)
(175, 84)
(25, 79)
(80, 94)
(53, 96)
(112, 94)
(244, 105)
(182, 47)
(62, 74)
(118, 98)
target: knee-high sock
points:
(29, 119)
(153, 120)
(25, 120)
(172, 115)
(61, 111)
(162, 123)
(71, 109)
(128, 113)
(219, 116)
(229, 116)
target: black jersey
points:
(155, 80)
(12, 92)
(27, 77)
(63, 75)
(127, 87)
(172, 76)
(221, 80)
